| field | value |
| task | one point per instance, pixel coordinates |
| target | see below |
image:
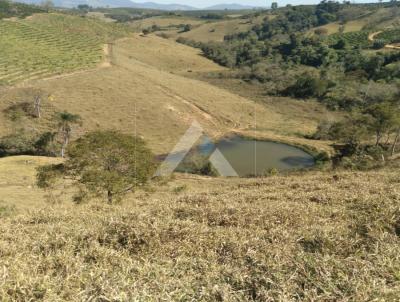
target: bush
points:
(187, 27)
(378, 44)
(23, 143)
(19, 143)
(307, 86)
(17, 111)
(197, 164)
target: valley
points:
(93, 98)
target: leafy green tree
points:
(352, 132)
(103, 163)
(385, 119)
(307, 86)
(65, 121)
(274, 5)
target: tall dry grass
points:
(320, 237)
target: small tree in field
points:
(65, 122)
(103, 163)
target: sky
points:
(205, 3)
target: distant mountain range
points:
(232, 6)
(145, 5)
(158, 6)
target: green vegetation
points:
(65, 120)
(29, 143)
(103, 163)
(390, 36)
(342, 70)
(10, 9)
(353, 39)
(52, 44)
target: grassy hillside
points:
(300, 237)
(51, 44)
(145, 91)
(165, 22)
(202, 30)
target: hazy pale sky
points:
(205, 3)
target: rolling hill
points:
(115, 4)
(145, 91)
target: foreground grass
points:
(324, 236)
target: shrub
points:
(17, 111)
(187, 27)
(19, 143)
(23, 143)
(307, 86)
(197, 164)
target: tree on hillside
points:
(385, 119)
(274, 5)
(103, 163)
(37, 106)
(65, 121)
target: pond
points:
(251, 157)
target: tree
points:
(274, 5)
(37, 103)
(307, 86)
(384, 119)
(83, 7)
(395, 141)
(103, 163)
(352, 131)
(65, 122)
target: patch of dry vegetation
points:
(303, 237)
(216, 31)
(164, 22)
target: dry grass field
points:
(301, 237)
(383, 18)
(350, 26)
(164, 22)
(203, 30)
(215, 31)
(17, 183)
